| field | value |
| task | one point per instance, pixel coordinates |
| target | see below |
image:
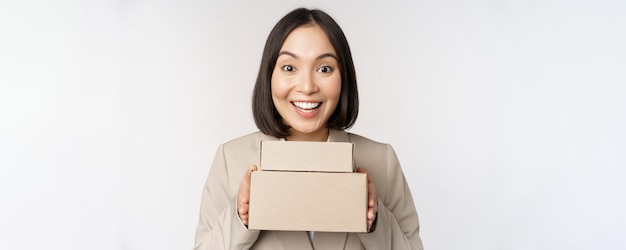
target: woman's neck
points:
(320, 135)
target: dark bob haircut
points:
(266, 117)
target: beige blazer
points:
(397, 224)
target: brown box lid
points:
(307, 156)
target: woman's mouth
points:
(307, 107)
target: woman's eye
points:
(288, 68)
(325, 69)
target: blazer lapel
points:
(287, 240)
(335, 135)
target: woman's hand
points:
(372, 200)
(243, 196)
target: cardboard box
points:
(307, 186)
(307, 156)
(308, 201)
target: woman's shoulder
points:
(252, 139)
(357, 138)
(365, 142)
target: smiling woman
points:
(306, 91)
(332, 39)
(306, 83)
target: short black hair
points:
(266, 117)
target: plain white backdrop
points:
(508, 116)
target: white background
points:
(508, 117)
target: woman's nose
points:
(306, 84)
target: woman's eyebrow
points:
(287, 53)
(284, 52)
(327, 55)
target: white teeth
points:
(307, 105)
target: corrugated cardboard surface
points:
(307, 156)
(308, 201)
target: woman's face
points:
(306, 83)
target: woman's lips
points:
(306, 109)
(306, 106)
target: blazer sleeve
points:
(397, 224)
(219, 226)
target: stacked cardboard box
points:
(308, 186)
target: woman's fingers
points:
(243, 197)
(372, 205)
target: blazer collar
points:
(265, 137)
(338, 136)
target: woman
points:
(305, 91)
